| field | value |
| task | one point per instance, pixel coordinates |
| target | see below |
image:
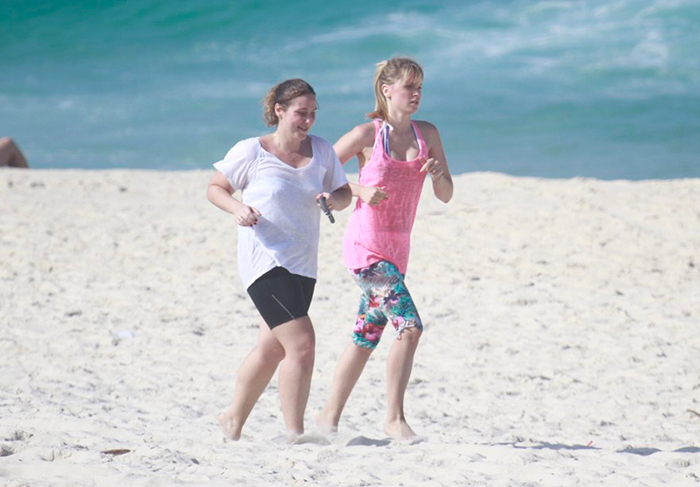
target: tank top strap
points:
(379, 128)
(422, 146)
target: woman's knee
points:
(411, 335)
(271, 350)
(298, 339)
(303, 351)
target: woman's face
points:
(404, 95)
(299, 116)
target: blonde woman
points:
(394, 153)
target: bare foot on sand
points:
(231, 430)
(326, 423)
(399, 430)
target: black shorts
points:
(281, 296)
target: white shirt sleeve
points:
(236, 165)
(335, 175)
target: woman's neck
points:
(285, 141)
(400, 122)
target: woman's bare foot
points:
(399, 430)
(293, 436)
(326, 423)
(231, 430)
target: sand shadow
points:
(364, 441)
(650, 451)
(543, 445)
(309, 439)
(643, 451)
(688, 449)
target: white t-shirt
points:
(287, 233)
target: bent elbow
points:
(348, 197)
(210, 193)
(446, 196)
(343, 197)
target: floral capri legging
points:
(384, 298)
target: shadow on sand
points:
(651, 451)
(364, 441)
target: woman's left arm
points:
(342, 197)
(338, 199)
(436, 164)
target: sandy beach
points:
(562, 340)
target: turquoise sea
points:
(600, 88)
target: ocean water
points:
(599, 88)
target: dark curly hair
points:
(283, 93)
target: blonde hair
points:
(283, 93)
(388, 73)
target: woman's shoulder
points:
(429, 131)
(364, 132)
(239, 161)
(246, 148)
(319, 141)
(251, 143)
(320, 144)
(366, 127)
(321, 147)
(425, 126)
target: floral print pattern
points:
(385, 298)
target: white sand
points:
(562, 342)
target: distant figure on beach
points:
(394, 154)
(10, 155)
(281, 176)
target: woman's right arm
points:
(353, 144)
(220, 193)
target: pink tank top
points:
(383, 232)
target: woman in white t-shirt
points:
(281, 176)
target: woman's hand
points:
(434, 167)
(246, 216)
(371, 195)
(330, 201)
(338, 199)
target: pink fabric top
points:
(383, 232)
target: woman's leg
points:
(252, 378)
(398, 372)
(350, 366)
(368, 330)
(395, 302)
(299, 343)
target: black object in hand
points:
(324, 207)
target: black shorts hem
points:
(281, 296)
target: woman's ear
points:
(386, 91)
(279, 110)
